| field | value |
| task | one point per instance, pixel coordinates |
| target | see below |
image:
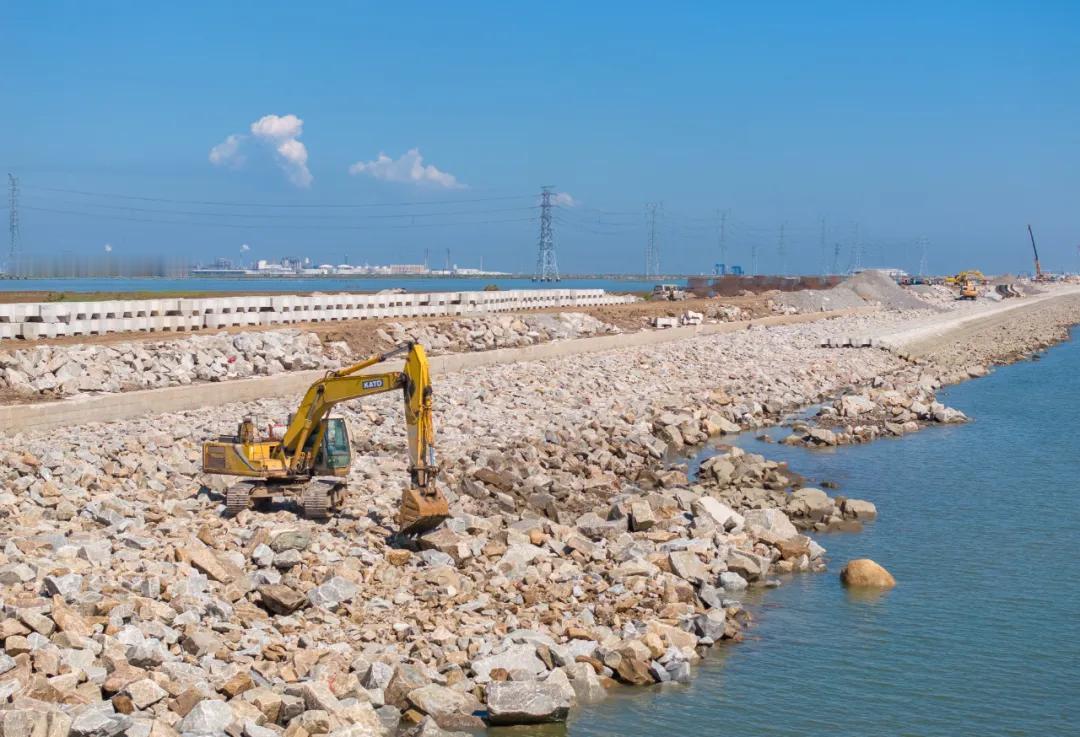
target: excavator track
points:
(315, 501)
(237, 499)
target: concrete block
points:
(20, 312)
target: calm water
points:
(982, 635)
(316, 284)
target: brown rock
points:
(865, 573)
(398, 557)
(202, 558)
(280, 599)
(237, 685)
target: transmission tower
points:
(781, 251)
(547, 269)
(923, 247)
(753, 258)
(652, 249)
(856, 255)
(723, 239)
(835, 259)
(13, 218)
(824, 256)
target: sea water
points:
(979, 525)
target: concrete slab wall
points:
(34, 320)
(83, 408)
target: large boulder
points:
(859, 509)
(865, 573)
(526, 702)
(449, 708)
(720, 514)
(772, 520)
(515, 657)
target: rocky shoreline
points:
(577, 556)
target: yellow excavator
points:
(306, 458)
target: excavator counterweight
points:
(307, 457)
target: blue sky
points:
(956, 122)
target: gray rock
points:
(440, 702)
(772, 520)
(516, 657)
(207, 718)
(731, 581)
(711, 624)
(687, 565)
(333, 593)
(526, 703)
(378, 675)
(290, 540)
(287, 559)
(709, 596)
(98, 721)
(586, 683)
(66, 586)
(437, 558)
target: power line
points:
(296, 226)
(13, 218)
(781, 251)
(547, 269)
(723, 239)
(652, 249)
(261, 216)
(221, 203)
(824, 263)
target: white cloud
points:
(227, 153)
(244, 248)
(278, 127)
(565, 199)
(409, 168)
(280, 132)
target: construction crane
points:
(1038, 266)
(306, 457)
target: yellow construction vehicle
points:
(969, 290)
(972, 275)
(306, 457)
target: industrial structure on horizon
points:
(292, 266)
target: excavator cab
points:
(334, 454)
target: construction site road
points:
(81, 409)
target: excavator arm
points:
(346, 384)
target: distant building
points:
(894, 274)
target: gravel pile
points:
(496, 331)
(67, 370)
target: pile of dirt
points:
(877, 287)
(865, 288)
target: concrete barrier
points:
(84, 408)
(34, 320)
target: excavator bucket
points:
(422, 510)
